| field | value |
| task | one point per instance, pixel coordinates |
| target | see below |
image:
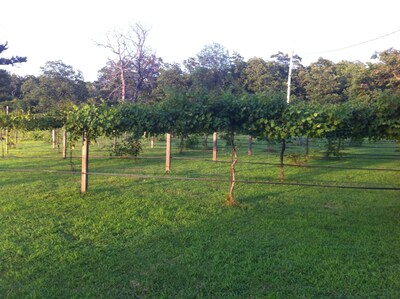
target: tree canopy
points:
(10, 61)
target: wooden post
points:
(7, 132)
(64, 144)
(85, 163)
(152, 142)
(114, 144)
(249, 146)
(1, 139)
(215, 146)
(54, 137)
(6, 140)
(168, 154)
(16, 132)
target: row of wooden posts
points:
(85, 153)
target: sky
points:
(67, 30)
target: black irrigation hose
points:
(371, 155)
(290, 165)
(217, 161)
(142, 176)
(318, 167)
(378, 157)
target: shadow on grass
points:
(281, 243)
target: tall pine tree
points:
(10, 61)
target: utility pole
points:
(289, 77)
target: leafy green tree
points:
(320, 81)
(256, 74)
(355, 81)
(385, 73)
(213, 70)
(272, 76)
(58, 86)
(5, 86)
(31, 93)
(386, 124)
(237, 73)
(172, 79)
(10, 90)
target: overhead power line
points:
(354, 45)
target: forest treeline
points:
(134, 74)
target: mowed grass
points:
(144, 237)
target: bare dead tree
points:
(116, 43)
(133, 61)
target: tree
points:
(10, 90)
(172, 79)
(386, 124)
(355, 81)
(134, 69)
(386, 72)
(272, 76)
(256, 75)
(10, 61)
(320, 81)
(237, 72)
(58, 86)
(5, 86)
(213, 70)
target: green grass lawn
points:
(131, 237)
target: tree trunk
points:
(270, 148)
(123, 83)
(181, 144)
(231, 200)
(85, 162)
(282, 170)
(339, 147)
(205, 144)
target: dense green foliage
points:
(259, 115)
